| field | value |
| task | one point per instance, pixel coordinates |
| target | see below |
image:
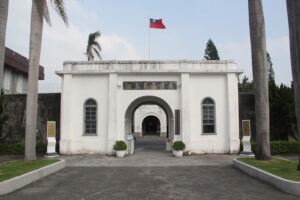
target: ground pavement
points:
(148, 174)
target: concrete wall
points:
(14, 107)
(49, 109)
(103, 81)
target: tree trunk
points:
(36, 31)
(260, 78)
(3, 21)
(293, 10)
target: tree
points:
(38, 13)
(270, 68)
(3, 22)
(246, 85)
(211, 52)
(293, 10)
(260, 77)
(93, 46)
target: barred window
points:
(208, 116)
(90, 117)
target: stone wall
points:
(14, 107)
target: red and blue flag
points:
(157, 23)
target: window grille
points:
(90, 119)
(208, 115)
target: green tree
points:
(281, 110)
(260, 78)
(38, 13)
(93, 46)
(293, 10)
(3, 22)
(270, 68)
(245, 85)
(211, 52)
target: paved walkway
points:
(151, 173)
(142, 158)
(169, 182)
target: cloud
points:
(117, 48)
(61, 43)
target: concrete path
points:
(151, 173)
(142, 158)
(176, 182)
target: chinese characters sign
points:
(150, 85)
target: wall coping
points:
(149, 66)
(18, 182)
(292, 187)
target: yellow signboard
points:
(246, 127)
(51, 125)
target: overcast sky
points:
(125, 33)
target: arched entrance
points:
(150, 122)
(151, 126)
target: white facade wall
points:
(103, 82)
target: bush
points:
(178, 145)
(19, 148)
(281, 147)
(120, 145)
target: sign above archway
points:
(150, 85)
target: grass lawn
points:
(282, 168)
(16, 168)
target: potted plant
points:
(178, 148)
(120, 148)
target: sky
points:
(124, 27)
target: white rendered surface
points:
(103, 81)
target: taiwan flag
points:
(156, 23)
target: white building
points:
(199, 98)
(16, 73)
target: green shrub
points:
(280, 147)
(178, 145)
(120, 145)
(19, 148)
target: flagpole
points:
(149, 37)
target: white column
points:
(185, 110)
(233, 113)
(112, 113)
(66, 115)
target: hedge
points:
(280, 147)
(19, 148)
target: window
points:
(90, 117)
(208, 116)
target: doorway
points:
(151, 126)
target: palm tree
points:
(38, 13)
(293, 9)
(93, 46)
(3, 22)
(260, 77)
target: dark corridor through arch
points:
(151, 126)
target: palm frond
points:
(97, 45)
(97, 53)
(43, 10)
(59, 7)
(93, 46)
